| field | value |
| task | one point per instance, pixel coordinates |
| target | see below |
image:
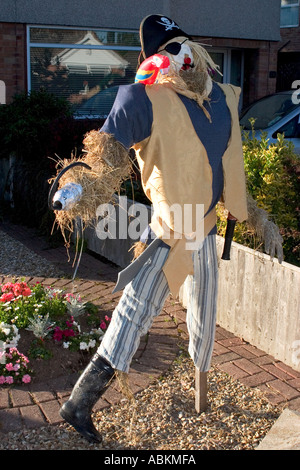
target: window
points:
(289, 16)
(231, 64)
(268, 111)
(291, 129)
(84, 66)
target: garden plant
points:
(272, 173)
(48, 317)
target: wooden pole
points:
(200, 390)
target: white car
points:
(276, 114)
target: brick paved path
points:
(36, 405)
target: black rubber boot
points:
(93, 382)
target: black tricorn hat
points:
(156, 30)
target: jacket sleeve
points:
(130, 119)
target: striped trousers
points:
(143, 299)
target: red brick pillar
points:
(13, 58)
(266, 64)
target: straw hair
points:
(196, 82)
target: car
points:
(275, 114)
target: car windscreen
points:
(268, 111)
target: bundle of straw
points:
(110, 166)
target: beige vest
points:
(175, 171)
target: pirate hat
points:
(156, 30)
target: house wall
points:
(288, 51)
(13, 58)
(242, 19)
(290, 39)
(260, 58)
(237, 25)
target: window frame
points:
(292, 5)
(48, 45)
(227, 61)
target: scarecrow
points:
(185, 131)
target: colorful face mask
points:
(180, 55)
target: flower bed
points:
(44, 331)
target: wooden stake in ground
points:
(200, 390)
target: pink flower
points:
(17, 289)
(107, 318)
(58, 334)
(68, 333)
(2, 379)
(26, 292)
(16, 367)
(9, 367)
(7, 297)
(26, 379)
(9, 379)
(103, 325)
(72, 296)
(7, 286)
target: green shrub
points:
(272, 173)
(24, 123)
(38, 128)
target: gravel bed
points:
(17, 260)
(163, 416)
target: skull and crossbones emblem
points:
(167, 23)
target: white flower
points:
(92, 343)
(97, 331)
(77, 325)
(83, 346)
(51, 292)
(6, 331)
(12, 335)
(66, 345)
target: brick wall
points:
(290, 39)
(260, 58)
(13, 58)
(288, 58)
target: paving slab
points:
(284, 434)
